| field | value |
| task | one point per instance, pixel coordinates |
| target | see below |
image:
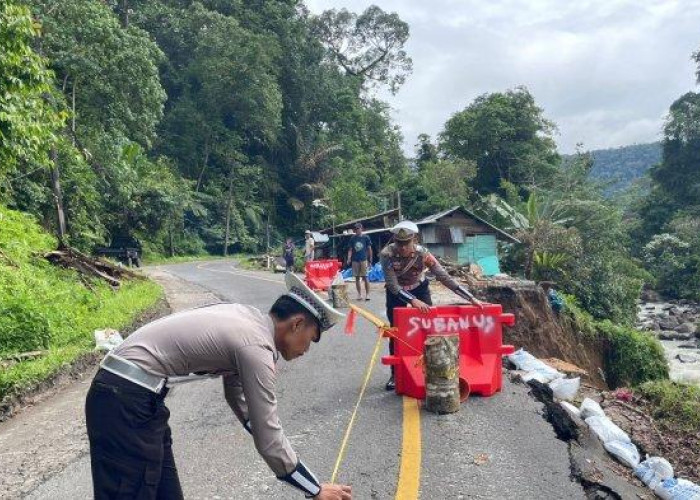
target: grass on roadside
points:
(632, 357)
(45, 308)
(674, 403)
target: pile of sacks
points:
(375, 273)
(655, 472)
(563, 388)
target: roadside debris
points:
(88, 267)
(568, 421)
(481, 459)
(107, 339)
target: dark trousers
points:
(130, 441)
(421, 292)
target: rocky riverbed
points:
(677, 325)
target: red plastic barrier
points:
(480, 346)
(320, 273)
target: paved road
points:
(497, 447)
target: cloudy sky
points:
(605, 71)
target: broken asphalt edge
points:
(591, 465)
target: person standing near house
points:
(360, 256)
(309, 247)
(405, 263)
(289, 255)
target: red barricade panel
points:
(480, 345)
(320, 273)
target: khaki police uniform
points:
(127, 420)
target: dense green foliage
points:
(572, 235)
(29, 118)
(677, 404)
(633, 357)
(507, 137)
(666, 224)
(46, 308)
(630, 357)
(192, 125)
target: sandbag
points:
(536, 369)
(590, 408)
(677, 489)
(107, 339)
(653, 470)
(570, 409)
(606, 430)
(626, 453)
(565, 388)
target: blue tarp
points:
(374, 273)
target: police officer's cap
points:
(405, 230)
(326, 315)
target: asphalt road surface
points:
(497, 447)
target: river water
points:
(683, 355)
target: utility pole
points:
(228, 212)
(398, 201)
(58, 197)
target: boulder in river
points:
(686, 328)
(673, 335)
(669, 324)
(687, 358)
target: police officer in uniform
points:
(127, 420)
(405, 263)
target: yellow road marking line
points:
(238, 273)
(409, 473)
(368, 372)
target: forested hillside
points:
(192, 125)
(618, 168)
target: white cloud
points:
(605, 71)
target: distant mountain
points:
(620, 167)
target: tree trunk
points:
(58, 198)
(171, 240)
(228, 213)
(204, 167)
(442, 373)
(124, 14)
(72, 125)
(529, 261)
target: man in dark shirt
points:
(358, 254)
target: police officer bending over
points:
(127, 420)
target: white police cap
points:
(404, 230)
(326, 315)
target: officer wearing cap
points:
(405, 263)
(127, 420)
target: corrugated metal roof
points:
(432, 219)
(436, 217)
(351, 223)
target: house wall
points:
(469, 226)
(464, 240)
(481, 249)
